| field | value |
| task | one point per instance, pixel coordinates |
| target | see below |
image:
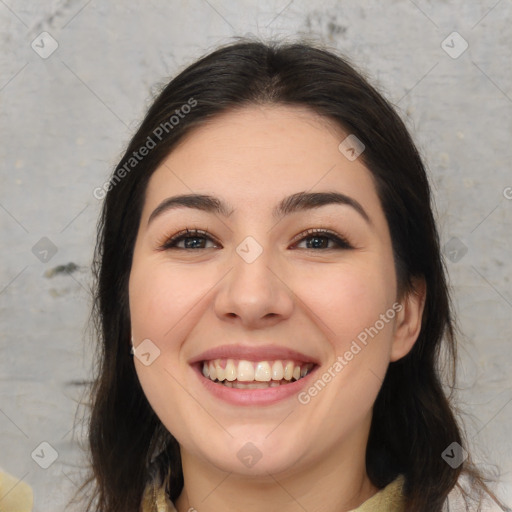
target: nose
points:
(254, 294)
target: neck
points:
(334, 482)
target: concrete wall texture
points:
(76, 77)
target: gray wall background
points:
(66, 116)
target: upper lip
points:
(252, 353)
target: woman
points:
(272, 302)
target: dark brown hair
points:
(413, 420)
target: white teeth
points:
(288, 370)
(245, 371)
(230, 370)
(277, 371)
(262, 373)
(221, 373)
(251, 385)
(212, 370)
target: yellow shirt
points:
(389, 499)
(15, 495)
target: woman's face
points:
(259, 294)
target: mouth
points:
(244, 382)
(243, 374)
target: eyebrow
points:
(301, 201)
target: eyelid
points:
(164, 242)
(342, 243)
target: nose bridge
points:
(252, 291)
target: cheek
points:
(161, 297)
(348, 300)
(355, 307)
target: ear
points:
(408, 320)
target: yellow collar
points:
(389, 499)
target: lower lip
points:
(254, 396)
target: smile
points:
(243, 374)
(239, 382)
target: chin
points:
(255, 456)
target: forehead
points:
(255, 155)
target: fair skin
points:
(310, 299)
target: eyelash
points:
(170, 242)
